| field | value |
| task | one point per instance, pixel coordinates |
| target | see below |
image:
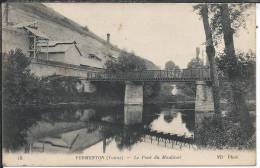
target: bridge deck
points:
(152, 75)
(47, 68)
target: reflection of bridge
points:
(168, 136)
(134, 82)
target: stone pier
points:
(204, 104)
(133, 107)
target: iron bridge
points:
(178, 75)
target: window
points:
(93, 56)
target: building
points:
(67, 52)
(36, 29)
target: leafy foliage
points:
(19, 85)
(126, 62)
(226, 20)
(170, 65)
(195, 63)
(241, 66)
(238, 15)
(211, 135)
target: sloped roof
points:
(58, 46)
(36, 32)
(55, 49)
(54, 43)
(25, 24)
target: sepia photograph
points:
(128, 84)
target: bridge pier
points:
(204, 104)
(133, 108)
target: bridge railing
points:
(99, 74)
(152, 75)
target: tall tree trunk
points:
(210, 50)
(227, 30)
(239, 104)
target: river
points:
(74, 128)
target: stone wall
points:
(43, 69)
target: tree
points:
(195, 63)
(126, 62)
(210, 50)
(226, 20)
(19, 87)
(238, 93)
(170, 65)
(236, 17)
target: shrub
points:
(211, 134)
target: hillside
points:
(59, 28)
(46, 13)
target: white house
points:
(67, 52)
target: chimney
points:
(108, 37)
(197, 52)
(202, 57)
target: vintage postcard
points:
(128, 84)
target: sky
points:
(157, 32)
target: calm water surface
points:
(102, 128)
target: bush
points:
(19, 85)
(212, 135)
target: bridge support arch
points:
(133, 103)
(204, 104)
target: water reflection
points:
(175, 125)
(84, 114)
(174, 90)
(133, 114)
(77, 129)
